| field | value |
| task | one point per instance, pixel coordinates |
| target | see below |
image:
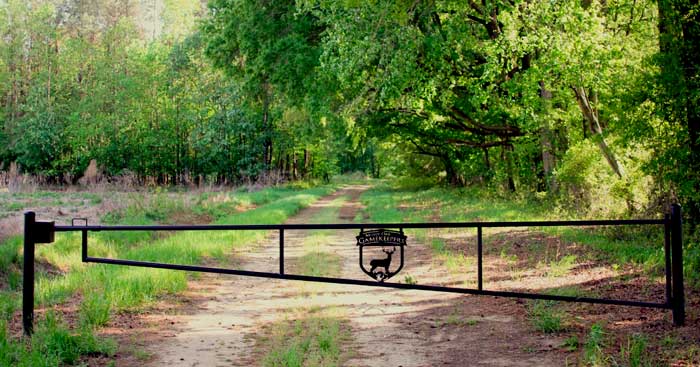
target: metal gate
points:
(36, 232)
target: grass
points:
(593, 353)
(309, 339)
(317, 260)
(546, 317)
(95, 311)
(52, 344)
(637, 250)
(635, 353)
(127, 287)
(641, 246)
(561, 267)
(455, 319)
(108, 288)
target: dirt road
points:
(388, 328)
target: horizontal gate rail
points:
(43, 232)
(222, 227)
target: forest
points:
(449, 115)
(592, 103)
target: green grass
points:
(641, 246)
(309, 340)
(95, 310)
(318, 260)
(593, 353)
(128, 287)
(635, 353)
(561, 267)
(546, 317)
(108, 288)
(52, 344)
(456, 319)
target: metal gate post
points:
(678, 297)
(28, 274)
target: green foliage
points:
(562, 266)
(153, 106)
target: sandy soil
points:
(389, 328)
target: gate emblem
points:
(380, 245)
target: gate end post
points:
(678, 296)
(28, 274)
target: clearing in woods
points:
(243, 320)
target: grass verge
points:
(104, 289)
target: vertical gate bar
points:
(84, 245)
(667, 256)
(281, 251)
(677, 265)
(28, 274)
(479, 245)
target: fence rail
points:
(43, 232)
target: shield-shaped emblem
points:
(378, 252)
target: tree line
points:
(590, 102)
(83, 81)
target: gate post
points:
(28, 274)
(678, 297)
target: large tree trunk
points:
(590, 114)
(453, 177)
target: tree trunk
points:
(267, 128)
(546, 142)
(506, 156)
(452, 176)
(590, 114)
(305, 170)
(295, 163)
(679, 41)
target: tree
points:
(679, 40)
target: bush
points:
(588, 184)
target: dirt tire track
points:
(389, 327)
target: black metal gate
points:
(43, 232)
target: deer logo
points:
(380, 268)
(382, 263)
